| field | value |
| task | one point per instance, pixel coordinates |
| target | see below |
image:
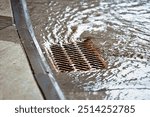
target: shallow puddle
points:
(120, 30)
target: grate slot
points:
(60, 59)
(91, 54)
(76, 57)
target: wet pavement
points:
(120, 30)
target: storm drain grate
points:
(60, 59)
(77, 56)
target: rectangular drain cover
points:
(76, 56)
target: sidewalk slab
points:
(5, 21)
(16, 79)
(5, 8)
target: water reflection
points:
(120, 28)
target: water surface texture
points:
(120, 29)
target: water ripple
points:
(120, 29)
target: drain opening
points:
(60, 59)
(76, 56)
(91, 54)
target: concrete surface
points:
(16, 79)
(5, 21)
(5, 9)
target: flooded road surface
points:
(120, 29)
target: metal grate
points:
(76, 56)
(60, 59)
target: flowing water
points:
(121, 31)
